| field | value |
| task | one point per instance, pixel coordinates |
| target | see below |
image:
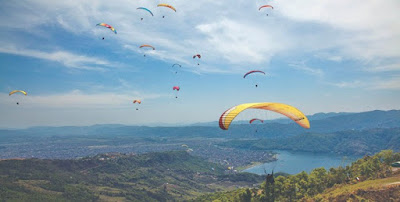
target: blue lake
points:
(295, 162)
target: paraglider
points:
(176, 65)
(252, 120)
(265, 6)
(107, 26)
(291, 112)
(148, 46)
(138, 102)
(17, 91)
(255, 119)
(198, 56)
(252, 72)
(177, 88)
(168, 6)
(142, 8)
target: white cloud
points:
(387, 84)
(384, 68)
(66, 58)
(81, 99)
(377, 83)
(370, 26)
(241, 42)
(301, 66)
(226, 33)
(329, 56)
(351, 84)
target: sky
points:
(317, 55)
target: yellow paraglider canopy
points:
(17, 91)
(284, 109)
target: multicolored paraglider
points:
(177, 88)
(137, 102)
(198, 56)
(296, 115)
(252, 72)
(142, 8)
(17, 91)
(265, 6)
(107, 26)
(148, 46)
(168, 6)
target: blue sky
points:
(318, 55)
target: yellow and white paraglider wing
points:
(17, 91)
(284, 109)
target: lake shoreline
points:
(295, 162)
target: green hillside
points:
(164, 176)
(386, 189)
(336, 184)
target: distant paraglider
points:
(255, 119)
(265, 6)
(252, 120)
(107, 26)
(17, 91)
(284, 109)
(148, 46)
(138, 102)
(198, 56)
(168, 6)
(252, 72)
(177, 88)
(142, 8)
(176, 65)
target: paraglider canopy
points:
(142, 8)
(137, 101)
(252, 72)
(284, 109)
(266, 6)
(17, 91)
(197, 55)
(167, 5)
(177, 88)
(252, 120)
(146, 45)
(107, 26)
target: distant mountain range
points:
(320, 123)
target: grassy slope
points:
(374, 190)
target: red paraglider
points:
(198, 56)
(252, 120)
(177, 88)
